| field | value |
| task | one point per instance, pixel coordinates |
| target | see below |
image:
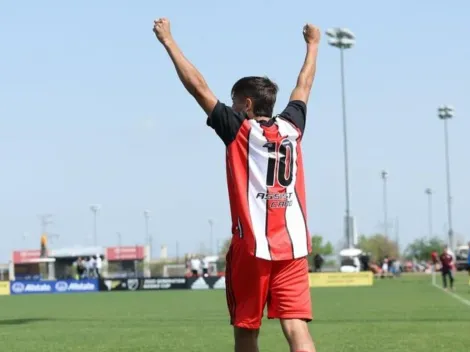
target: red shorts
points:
(251, 283)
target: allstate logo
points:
(61, 286)
(17, 287)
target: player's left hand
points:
(161, 28)
(311, 33)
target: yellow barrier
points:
(341, 279)
(4, 288)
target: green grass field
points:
(406, 314)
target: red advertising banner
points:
(125, 253)
(26, 256)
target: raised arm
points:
(188, 74)
(307, 73)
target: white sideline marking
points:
(457, 297)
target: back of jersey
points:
(265, 180)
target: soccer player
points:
(266, 262)
(468, 262)
(447, 263)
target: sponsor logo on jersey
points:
(276, 200)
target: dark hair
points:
(261, 90)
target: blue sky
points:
(91, 111)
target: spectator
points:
(385, 266)
(205, 266)
(195, 266)
(365, 259)
(90, 267)
(98, 265)
(397, 267)
(434, 260)
(468, 262)
(80, 268)
(317, 263)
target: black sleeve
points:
(296, 113)
(225, 122)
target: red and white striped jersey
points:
(265, 180)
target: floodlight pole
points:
(119, 238)
(94, 209)
(342, 39)
(211, 236)
(445, 113)
(385, 202)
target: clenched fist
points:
(311, 34)
(161, 28)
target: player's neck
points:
(261, 118)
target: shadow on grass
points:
(22, 321)
(392, 320)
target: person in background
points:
(447, 263)
(195, 266)
(434, 260)
(468, 262)
(98, 266)
(365, 259)
(80, 268)
(385, 267)
(397, 267)
(86, 264)
(187, 262)
(317, 263)
(205, 266)
(391, 266)
(90, 267)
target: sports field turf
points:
(406, 314)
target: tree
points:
(378, 246)
(319, 247)
(422, 248)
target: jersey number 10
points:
(280, 163)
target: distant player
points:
(468, 262)
(266, 262)
(434, 258)
(434, 261)
(447, 264)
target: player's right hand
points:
(311, 34)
